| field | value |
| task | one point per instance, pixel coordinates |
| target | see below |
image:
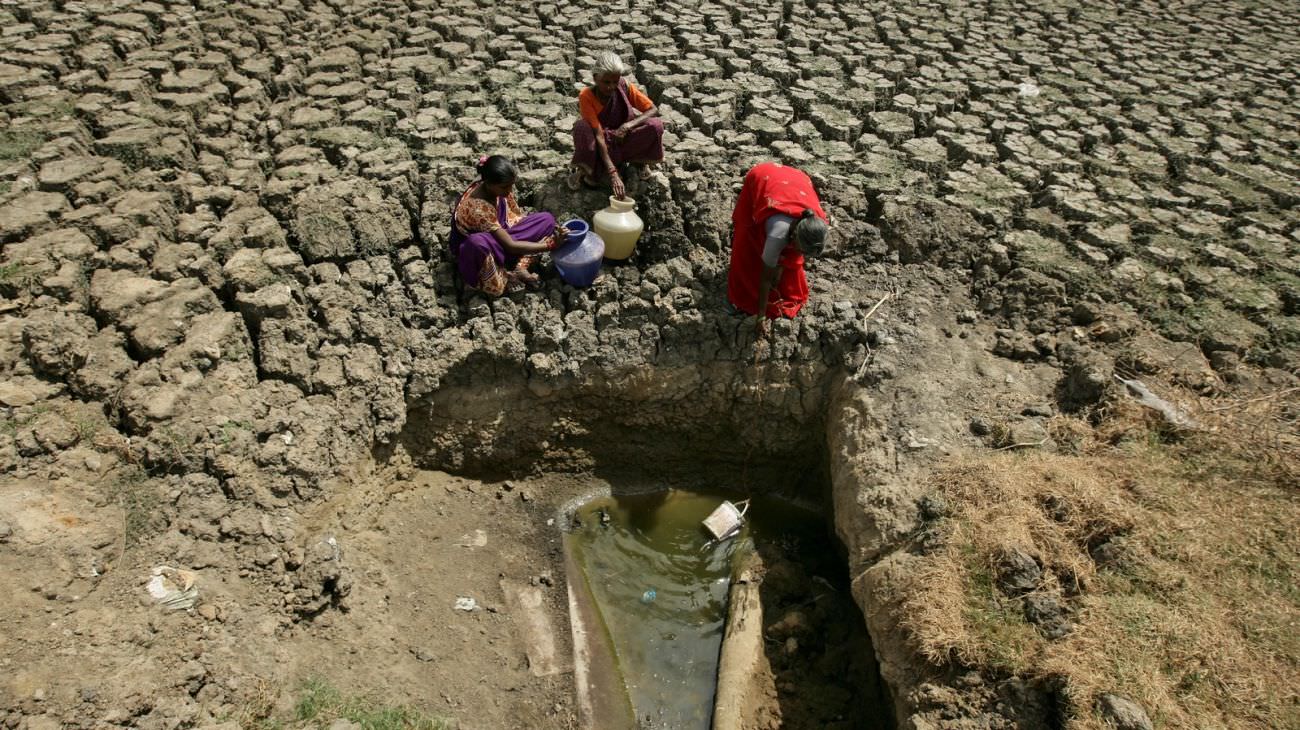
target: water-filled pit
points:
(660, 587)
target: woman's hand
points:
(762, 326)
(620, 191)
(623, 131)
(561, 234)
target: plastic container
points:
(579, 263)
(578, 230)
(726, 520)
(619, 226)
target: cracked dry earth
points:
(232, 344)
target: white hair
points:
(608, 62)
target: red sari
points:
(769, 188)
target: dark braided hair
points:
(496, 169)
(811, 233)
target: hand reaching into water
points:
(620, 191)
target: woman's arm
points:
(518, 248)
(637, 121)
(616, 182)
(777, 230)
(589, 109)
(604, 151)
(765, 283)
(642, 104)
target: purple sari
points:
(643, 144)
(471, 250)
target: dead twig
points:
(1257, 399)
(876, 306)
(1024, 444)
(126, 535)
(867, 360)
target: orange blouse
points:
(590, 105)
(475, 215)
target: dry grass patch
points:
(1177, 564)
(19, 143)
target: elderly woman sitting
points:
(617, 126)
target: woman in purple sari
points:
(493, 242)
(618, 124)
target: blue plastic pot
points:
(579, 263)
(578, 230)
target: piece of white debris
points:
(465, 603)
(173, 588)
(1173, 415)
(916, 443)
(479, 539)
(1028, 88)
(287, 437)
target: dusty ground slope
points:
(227, 303)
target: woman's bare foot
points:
(581, 179)
(521, 280)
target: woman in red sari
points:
(777, 221)
(618, 124)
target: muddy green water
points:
(667, 645)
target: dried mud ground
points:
(229, 330)
(415, 543)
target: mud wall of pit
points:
(744, 425)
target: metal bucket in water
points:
(726, 520)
